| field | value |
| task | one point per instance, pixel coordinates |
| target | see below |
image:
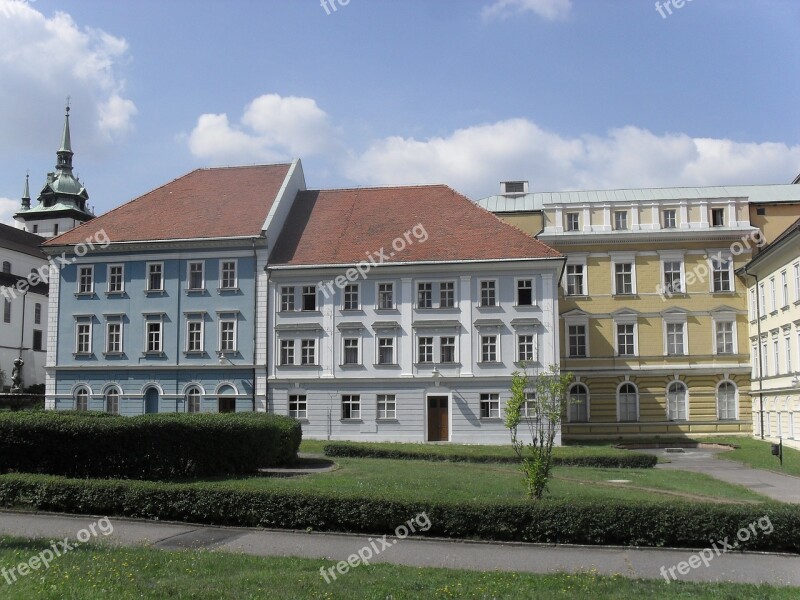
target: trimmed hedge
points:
(673, 524)
(593, 457)
(164, 446)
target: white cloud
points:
(272, 128)
(44, 59)
(475, 159)
(551, 10)
(7, 209)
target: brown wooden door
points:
(227, 405)
(437, 419)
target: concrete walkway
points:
(329, 549)
(784, 488)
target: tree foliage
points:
(537, 403)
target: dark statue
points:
(16, 376)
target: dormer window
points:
(572, 221)
(717, 217)
(514, 187)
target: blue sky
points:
(569, 94)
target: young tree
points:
(538, 402)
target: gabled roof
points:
(336, 227)
(19, 240)
(756, 194)
(792, 231)
(206, 203)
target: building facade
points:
(421, 348)
(773, 277)
(653, 319)
(157, 309)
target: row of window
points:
(790, 432)
(669, 219)
(112, 395)
(673, 277)
(759, 307)
(677, 404)
(429, 295)
(776, 357)
(154, 280)
(154, 334)
(676, 342)
(429, 350)
(37, 312)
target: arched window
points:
(726, 401)
(628, 402)
(6, 267)
(578, 403)
(81, 399)
(193, 399)
(676, 401)
(112, 400)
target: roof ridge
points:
(379, 187)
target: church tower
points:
(62, 203)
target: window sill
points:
(351, 366)
(155, 292)
(525, 306)
(354, 421)
(228, 290)
(772, 313)
(490, 308)
(195, 353)
(387, 420)
(577, 296)
(384, 311)
(83, 355)
(84, 294)
(154, 354)
(490, 363)
(626, 296)
(116, 294)
(314, 312)
(491, 420)
(195, 291)
(723, 292)
(298, 367)
(114, 354)
(300, 419)
(386, 365)
(352, 311)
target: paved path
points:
(703, 460)
(775, 569)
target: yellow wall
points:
(777, 219)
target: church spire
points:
(26, 195)
(64, 153)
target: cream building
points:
(654, 320)
(774, 313)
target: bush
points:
(164, 446)
(616, 522)
(606, 458)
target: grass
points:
(756, 453)
(490, 482)
(100, 572)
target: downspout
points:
(22, 332)
(255, 320)
(760, 358)
(266, 343)
(178, 321)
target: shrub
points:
(164, 446)
(584, 457)
(617, 522)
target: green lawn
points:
(99, 573)
(479, 482)
(756, 453)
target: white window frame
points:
(484, 337)
(116, 393)
(148, 320)
(442, 305)
(429, 291)
(430, 347)
(193, 319)
(685, 400)
(354, 402)
(303, 293)
(193, 393)
(287, 292)
(787, 343)
(785, 288)
(81, 269)
(773, 295)
(674, 214)
(621, 218)
(678, 319)
(735, 401)
(357, 340)
(491, 289)
(796, 268)
(309, 344)
(235, 284)
(189, 286)
(716, 210)
(572, 261)
(517, 282)
(619, 402)
(491, 401)
(442, 346)
(121, 289)
(378, 348)
(349, 289)
(576, 320)
(671, 257)
(762, 297)
(119, 322)
(386, 400)
(623, 259)
(82, 391)
(719, 319)
(298, 400)
(533, 345)
(378, 292)
(568, 220)
(571, 405)
(728, 258)
(228, 319)
(79, 322)
(148, 274)
(632, 322)
(290, 344)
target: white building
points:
(24, 307)
(774, 312)
(400, 313)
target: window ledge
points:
(195, 291)
(300, 419)
(155, 292)
(386, 366)
(195, 353)
(357, 420)
(387, 420)
(154, 354)
(352, 366)
(491, 419)
(113, 354)
(82, 354)
(393, 310)
(84, 294)
(228, 290)
(118, 294)
(315, 312)
(352, 311)
(490, 308)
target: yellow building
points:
(774, 302)
(654, 320)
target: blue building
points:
(153, 306)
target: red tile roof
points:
(206, 203)
(344, 226)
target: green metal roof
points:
(756, 194)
